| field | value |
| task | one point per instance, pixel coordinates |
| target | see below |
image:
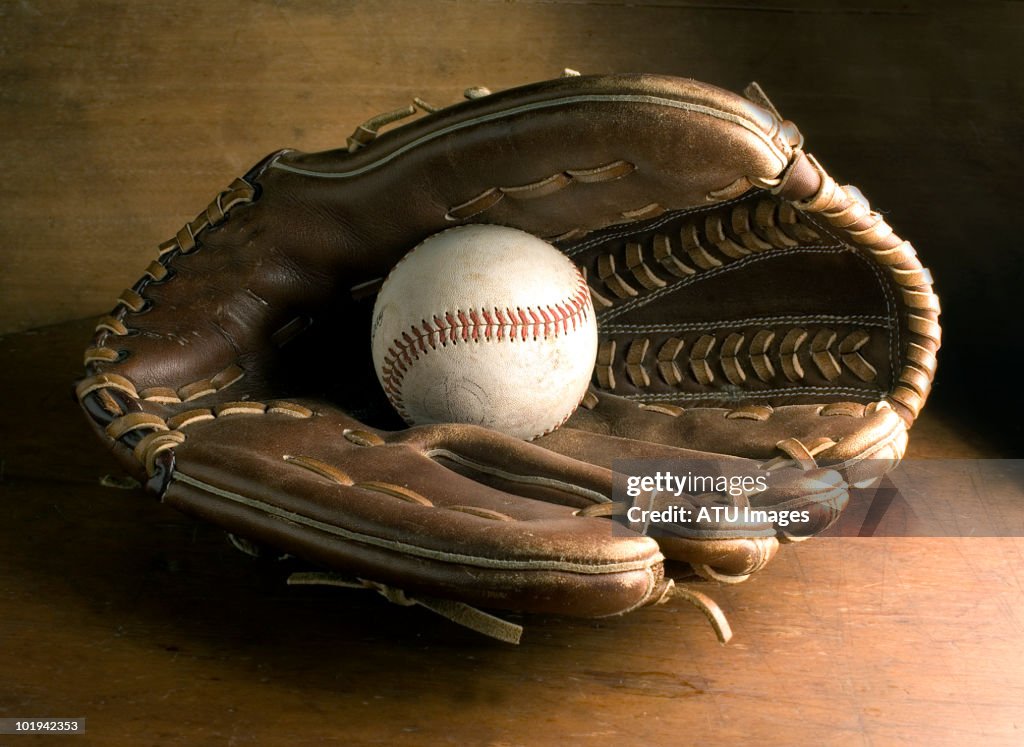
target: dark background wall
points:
(119, 121)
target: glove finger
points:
(333, 492)
(737, 544)
(862, 442)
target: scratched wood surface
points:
(122, 611)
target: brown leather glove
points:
(749, 307)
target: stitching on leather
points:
(869, 320)
(835, 206)
(543, 187)
(890, 306)
(370, 129)
(515, 477)
(232, 374)
(168, 433)
(415, 550)
(706, 241)
(741, 395)
(666, 218)
(830, 353)
(704, 250)
(131, 301)
(539, 105)
(478, 325)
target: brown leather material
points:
(749, 307)
(751, 431)
(370, 513)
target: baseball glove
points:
(750, 309)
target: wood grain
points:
(122, 611)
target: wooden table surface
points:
(149, 625)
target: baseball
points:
(485, 325)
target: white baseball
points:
(486, 325)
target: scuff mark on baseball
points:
(486, 325)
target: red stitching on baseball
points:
(487, 325)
